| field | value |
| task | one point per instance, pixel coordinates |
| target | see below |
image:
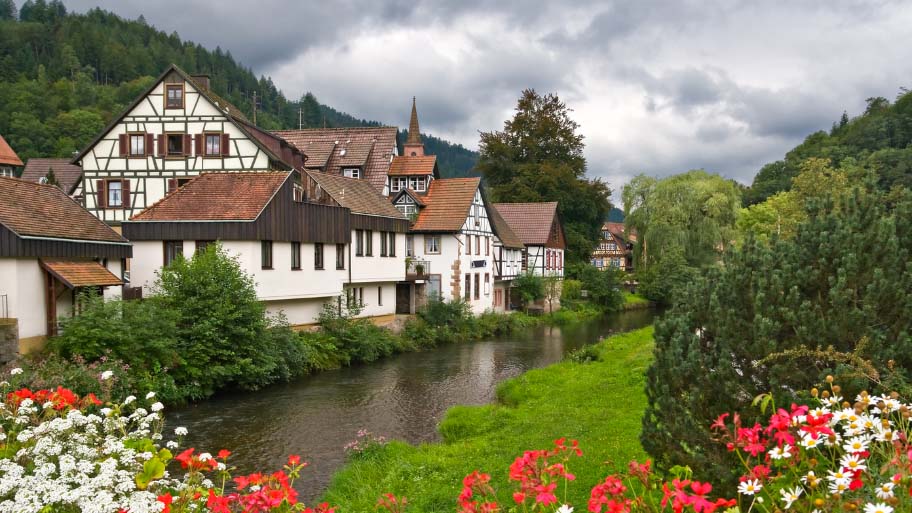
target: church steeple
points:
(413, 146)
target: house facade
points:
(538, 226)
(508, 258)
(51, 250)
(172, 132)
(9, 161)
(615, 248)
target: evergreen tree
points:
(8, 10)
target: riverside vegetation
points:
(203, 330)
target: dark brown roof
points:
(530, 221)
(217, 197)
(81, 273)
(447, 204)
(67, 175)
(356, 195)
(7, 155)
(506, 235)
(620, 231)
(328, 143)
(34, 210)
(413, 165)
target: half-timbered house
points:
(615, 248)
(9, 161)
(508, 251)
(538, 226)
(172, 132)
(51, 249)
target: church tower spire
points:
(413, 146)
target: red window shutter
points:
(150, 143)
(125, 194)
(172, 185)
(200, 140)
(161, 145)
(122, 138)
(188, 144)
(226, 145)
(101, 194)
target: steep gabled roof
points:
(327, 149)
(532, 222)
(217, 197)
(506, 235)
(356, 195)
(447, 204)
(7, 155)
(34, 210)
(404, 166)
(67, 175)
(619, 231)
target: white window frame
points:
(351, 172)
(407, 209)
(417, 183)
(137, 150)
(217, 147)
(397, 183)
(109, 189)
(432, 244)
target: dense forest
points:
(64, 76)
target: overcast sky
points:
(657, 87)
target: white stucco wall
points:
(22, 281)
(376, 268)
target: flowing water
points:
(401, 397)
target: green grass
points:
(634, 299)
(599, 403)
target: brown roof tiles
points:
(217, 197)
(7, 155)
(80, 273)
(530, 221)
(356, 195)
(506, 235)
(423, 165)
(67, 175)
(447, 205)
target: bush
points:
(778, 318)
(358, 340)
(663, 281)
(530, 287)
(572, 291)
(603, 287)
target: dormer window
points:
(397, 183)
(417, 183)
(351, 172)
(174, 96)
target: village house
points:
(615, 248)
(59, 172)
(51, 249)
(9, 161)
(172, 132)
(539, 228)
(508, 252)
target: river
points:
(402, 397)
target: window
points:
(417, 183)
(318, 256)
(174, 249)
(468, 287)
(351, 172)
(477, 287)
(409, 245)
(477, 245)
(298, 193)
(361, 296)
(137, 145)
(379, 296)
(432, 244)
(266, 254)
(560, 260)
(407, 209)
(382, 243)
(359, 242)
(114, 194)
(468, 244)
(487, 282)
(340, 256)
(487, 246)
(175, 146)
(174, 96)
(296, 256)
(397, 183)
(213, 145)
(201, 245)
(433, 287)
(369, 243)
(391, 249)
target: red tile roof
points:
(506, 235)
(34, 210)
(447, 204)
(530, 221)
(7, 155)
(324, 146)
(356, 195)
(413, 165)
(67, 175)
(619, 230)
(217, 197)
(80, 273)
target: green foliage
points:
(599, 403)
(662, 281)
(357, 340)
(539, 157)
(603, 287)
(572, 290)
(530, 287)
(779, 317)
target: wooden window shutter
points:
(150, 143)
(188, 144)
(161, 145)
(101, 196)
(172, 185)
(200, 140)
(122, 139)
(125, 194)
(225, 146)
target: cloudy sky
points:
(657, 87)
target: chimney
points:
(201, 80)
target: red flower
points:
(185, 458)
(293, 460)
(223, 454)
(166, 499)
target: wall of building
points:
(22, 281)
(376, 268)
(538, 261)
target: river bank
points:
(598, 402)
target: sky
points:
(658, 87)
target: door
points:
(403, 298)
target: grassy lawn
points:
(634, 299)
(599, 403)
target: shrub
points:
(571, 291)
(665, 280)
(602, 286)
(530, 287)
(358, 340)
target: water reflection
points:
(403, 397)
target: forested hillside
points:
(879, 140)
(64, 76)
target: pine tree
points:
(8, 10)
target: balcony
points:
(417, 269)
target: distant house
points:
(539, 227)
(51, 249)
(66, 175)
(615, 249)
(173, 131)
(9, 161)
(295, 250)
(508, 257)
